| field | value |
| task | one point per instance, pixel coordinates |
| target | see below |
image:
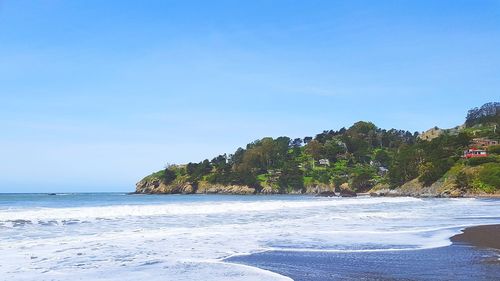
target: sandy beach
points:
(474, 255)
(484, 236)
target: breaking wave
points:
(180, 238)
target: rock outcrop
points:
(267, 189)
(447, 186)
(346, 191)
(156, 186)
(153, 185)
(207, 188)
(444, 187)
(320, 189)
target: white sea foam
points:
(181, 209)
(188, 240)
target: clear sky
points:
(96, 94)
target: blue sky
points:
(96, 94)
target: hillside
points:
(361, 158)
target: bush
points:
(463, 180)
(494, 149)
(490, 176)
(479, 185)
(361, 182)
(308, 181)
(361, 179)
(291, 178)
(262, 178)
(481, 160)
(430, 172)
(169, 176)
(321, 176)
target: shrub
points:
(494, 149)
(479, 185)
(490, 176)
(361, 178)
(308, 181)
(169, 176)
(321, 176)
(361, 182)
(262, 178)
(430, 172)
(481, 160)
(463, 180)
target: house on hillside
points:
(475, 153)
(324, 162)
(478, 147)
(483, 142)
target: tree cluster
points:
(360, 156)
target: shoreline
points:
(361, 195)
(481, 236)
(473, 255)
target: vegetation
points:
(488, 178)
(360, 157)
(488, 113)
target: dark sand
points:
(459, 262)
(484, 236)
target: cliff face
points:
(154, 185)
(206, 188)
(414, 188)
(448, 186)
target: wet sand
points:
(474, 255)
(483, 236)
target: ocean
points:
(115, 236)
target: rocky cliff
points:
(154, 185)
(448, 186)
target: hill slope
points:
(361, 158)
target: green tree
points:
(404, 166)
(332, 149)
(315, 149)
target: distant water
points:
(112, 236)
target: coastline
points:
(482, 236)
(361, 195)
(156, 186)
(473, 255)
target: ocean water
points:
(190, 237)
